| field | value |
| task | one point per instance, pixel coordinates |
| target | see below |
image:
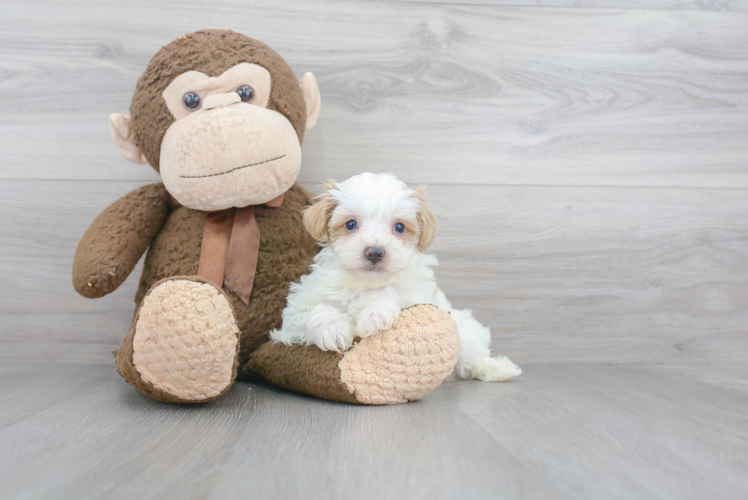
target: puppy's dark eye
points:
(246, 93)
(191, 101)
(399, 228)
(351, 225)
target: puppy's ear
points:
(426, 219)
(317, 215)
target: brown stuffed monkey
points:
(221, 117)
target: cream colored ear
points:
(312, 99)
(317, 215)
(121, 126)
(426, 219)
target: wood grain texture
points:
(588, 169)
(587, 164)
(561, 275)
(557, 432)
(720, 5)
(436, 93)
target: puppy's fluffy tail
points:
(475, 361)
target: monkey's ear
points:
(121, 126)
(312, 99)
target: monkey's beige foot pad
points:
(184, 342)
(398, 365)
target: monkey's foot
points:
(183, 345)
(397, 365)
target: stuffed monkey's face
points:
(226, 149)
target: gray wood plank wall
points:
(589, 165)
(724, 5)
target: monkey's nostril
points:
(374, 254)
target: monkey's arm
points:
(111, 247)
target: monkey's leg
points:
(398, 365)
(184, 343)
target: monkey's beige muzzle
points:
(232, 154)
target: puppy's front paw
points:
(330, 329)
(499, 369)
(377, 316)
(334, 336)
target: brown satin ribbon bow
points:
(230, 248)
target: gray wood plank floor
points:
(556, 432)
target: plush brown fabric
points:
(150, 218)
(126, 368)
(308, 370)
(286, 252)
(211, 52)
(404, 362)
(129, 225)
(395, 366)
(116, 240)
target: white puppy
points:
(373, 230)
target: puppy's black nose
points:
(374, 254)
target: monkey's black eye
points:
(246, 93)
(191, 101)
(351, 225)
(400, 228)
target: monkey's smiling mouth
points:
(231, 170)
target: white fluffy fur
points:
(347, 296)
